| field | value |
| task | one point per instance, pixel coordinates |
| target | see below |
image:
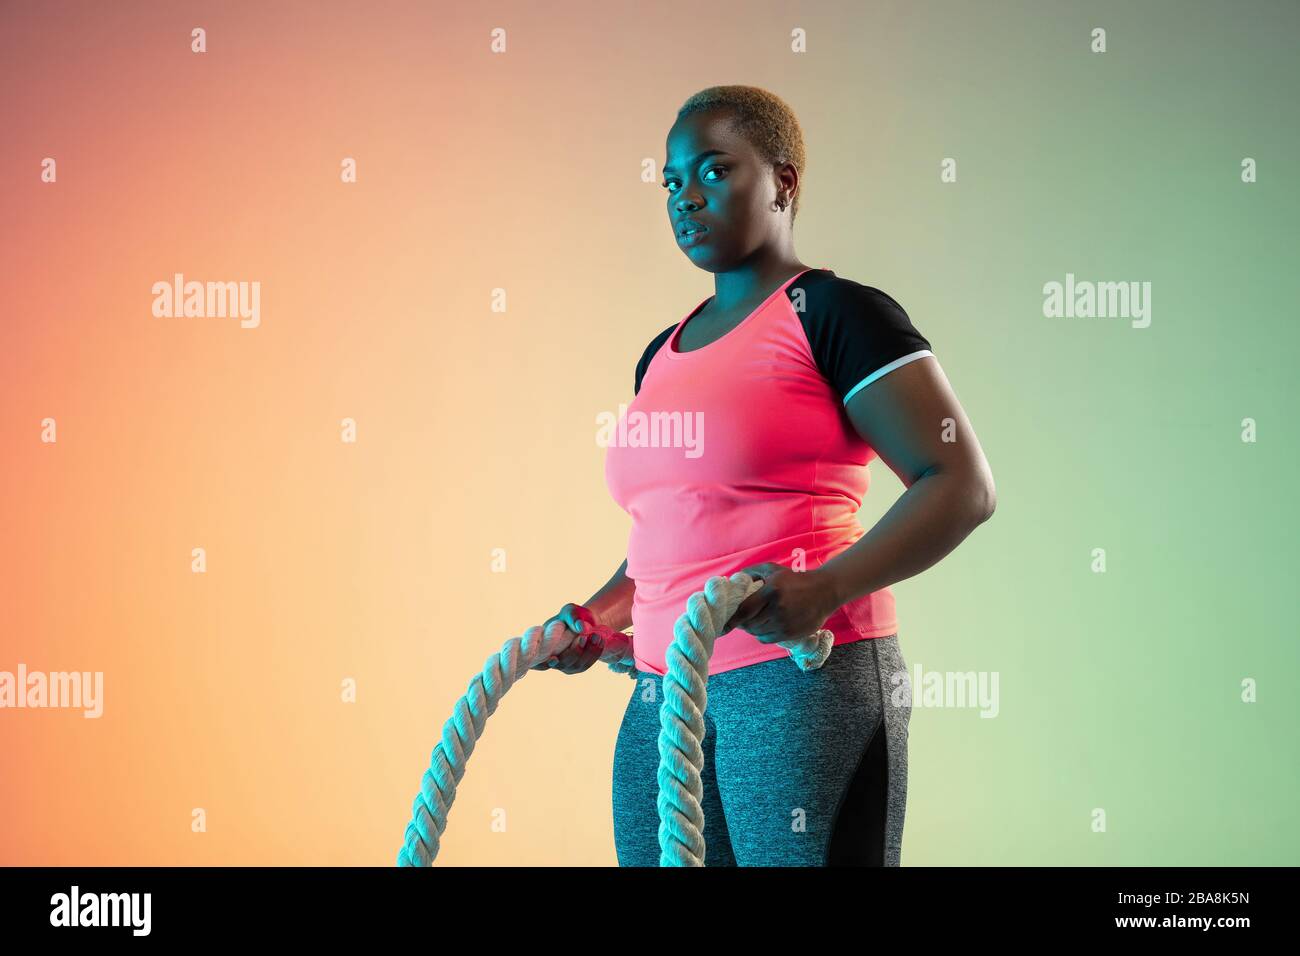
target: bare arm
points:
(612, 604)
(912, 419)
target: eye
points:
(712, 169)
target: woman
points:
(792, 378)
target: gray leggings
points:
(800, 769)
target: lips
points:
(690, 232)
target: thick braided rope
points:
(464, 727)
(680, 741)
(681, 715)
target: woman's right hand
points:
(583, 652)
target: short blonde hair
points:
(764, 119)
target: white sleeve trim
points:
(884, 370)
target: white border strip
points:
(885, 369)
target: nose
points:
(685, 203)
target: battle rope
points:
(681, 717)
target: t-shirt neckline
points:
(671, 349)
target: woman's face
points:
(715, 178)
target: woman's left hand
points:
(789, 606)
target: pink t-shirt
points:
(740, 452)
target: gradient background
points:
(476, 428)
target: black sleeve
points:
(655, 344)
(857, 333)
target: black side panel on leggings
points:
(858, 831)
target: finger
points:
(746, 610)
(570, 655)
(558, 635)
(760, 628)
(578, 619)
(595, 648)
(761, 571)
(584, 659)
